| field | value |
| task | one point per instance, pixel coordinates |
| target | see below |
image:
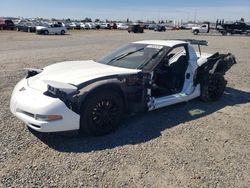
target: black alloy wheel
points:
(102, 113)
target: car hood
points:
(40, 27)
(196, 27)
(75, 72)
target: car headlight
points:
(50, 117)
(32, 72)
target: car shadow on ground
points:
(144, 127)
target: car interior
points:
(169, 75)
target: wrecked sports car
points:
(142, 76)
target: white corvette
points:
(139, 77)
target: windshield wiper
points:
(123, 55)
(153, 56)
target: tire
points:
(196, 32)
(101, 113)
(62, 32)
(46, 32)
(224, 33)
(213, 87)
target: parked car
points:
(75, 25)
(6, 24)
(92, 96)
(51, 29)
(26, 27)
(82, 26)
(122, 26)
(89, 25)
(113, 26)
(160, 28)
(135, 28)
(151, 26)
(105, 26)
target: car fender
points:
(128, 86)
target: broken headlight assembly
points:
(32, 72)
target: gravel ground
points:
(193, 144)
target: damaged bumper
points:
(28, 104)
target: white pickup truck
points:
(204, 28)
(51, 29)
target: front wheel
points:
(196, 32)
(46, 32)
(212, 87)
(101, 113)
(62, 32)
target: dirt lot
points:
(194, 144)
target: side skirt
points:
(156, 103)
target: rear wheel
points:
(213, 88)
(224, 33)
(101, 113)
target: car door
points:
(204, 28)
(172, 80)
(54, 28)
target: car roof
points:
(169, 43)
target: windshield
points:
(134, 56)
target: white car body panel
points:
(75, 72)
(156, 103)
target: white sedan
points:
(92, 96)
(122, 26)
(51, 29)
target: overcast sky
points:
(200, 10)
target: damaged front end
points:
(32, 72)
(60, 90)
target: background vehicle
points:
(105, 26)
(51, 29)
(122, 26)
(26, 27)
(75, 25)
(204, 28)
(139, 77)
(6, 24)
(82, 26)
(151, 26)
(223, 28)
(135, 28)
(232, 28)
(160, 28)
